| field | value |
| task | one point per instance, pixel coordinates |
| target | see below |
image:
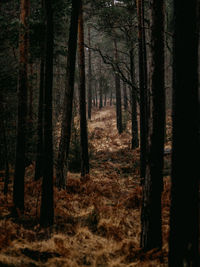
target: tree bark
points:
(89, 77)
(83, 120)
(134, 121)
(40, 125)
(118, 96)
(47, 202)
(143, 91)
(125, 96)
(184, 213)
(18, 186)
(151, 236)
(63, 152)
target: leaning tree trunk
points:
(151, 235)
(83, 120)
(89, 77)
(184, 213)
(143, 91)
(47, 204)
(18, 186)
(63, 152)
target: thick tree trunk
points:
(143, 91)
(151, 236)
(134, 121)
(89, 77)
(118, 96)
(83, 120)
(18, 187)
(184, 221)
(63, 152)
(47, 204)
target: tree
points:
(18, 186)
(151, 235)
(40, 126)
(89, 77)
(118, 95)
(64, 144)
(184, 213)
(143, 88)
(134, 125)
(47, 204)
(83, 120)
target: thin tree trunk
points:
(105, 100)
(111, 98)
(134, 121)
(83, 120)
(184, 213)
(125, 96)
(30, 111)
(7, 176)
(151, 235)
(47, 202)
(18, 187)
(143, 93)
(118, 96)
(100, 87)
(63, 153)
(89, 77)
(39, 154)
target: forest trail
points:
(97, 221)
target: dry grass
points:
(97, 221)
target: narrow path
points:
(97, 221)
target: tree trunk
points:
(105, 100)
(143, 91)
(83, 121)
(134, 121)
(125, 96)
(118, 96)
(89, 77)
(100, 87)
(39, 153)
(184, 221)
(47, 204)
(111, 98)
(63, 152)
(151, 236)
(18, 186)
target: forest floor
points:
(97, 221)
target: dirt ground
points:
(97, 221)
